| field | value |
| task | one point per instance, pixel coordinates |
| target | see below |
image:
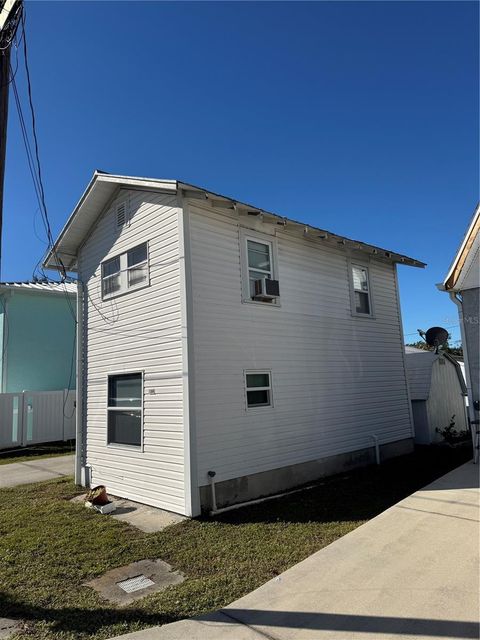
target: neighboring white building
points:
(437, 392)
(215, 336)
(463, 285)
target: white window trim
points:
(115, 445)
(366, 266)
(246, 389)
(124, 269)
(255, 236)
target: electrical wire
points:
(38, 179)
(34, 165)
(72, 367)
(415, 333)
(34, 132)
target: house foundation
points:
(266, 483)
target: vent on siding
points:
(121, 215)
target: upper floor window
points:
(362, 303)
(260, 263)
(127, 271)
(259, 269)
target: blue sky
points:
(358, 117)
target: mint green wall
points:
(39, 342)
(2, 302)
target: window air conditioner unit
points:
(266, 289)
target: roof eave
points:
(455, 270)
(65, 258)
(378, 252)
(59, 260)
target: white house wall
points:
(141, 330)
(337, 379)
(445, 399)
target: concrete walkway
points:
(411, 572)
(33, 470)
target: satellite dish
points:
(436, 337)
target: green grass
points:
(37, 452)
(49, 547)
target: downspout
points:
(79, 448)
(471, 414)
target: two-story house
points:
(218, 338)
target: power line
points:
(415, 333)
(34, 132)
(35, 165)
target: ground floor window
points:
(259, 388)
(124, 409)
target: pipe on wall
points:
(377, 448)
(79, 448)
(211, 475)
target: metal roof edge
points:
(403, 259)
(50, 261)
(98, 176)
(41, 287)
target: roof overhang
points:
(103, 188)
(99, 192)
(465, 255)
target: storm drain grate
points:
(135, 584)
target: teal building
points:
(37, 336)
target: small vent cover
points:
(135, 584)
(121, 215)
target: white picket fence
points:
(34, 417)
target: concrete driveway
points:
(411, 572)
(33, 470)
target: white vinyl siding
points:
(445, 399)
(337, 380)
(138, 331)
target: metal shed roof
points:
(103, 187)
(43, 287)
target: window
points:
(124, 409)
(361, 291)
(126, 271)
(111, 276)
(137, 266)
(259, 389)
(259, 263)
